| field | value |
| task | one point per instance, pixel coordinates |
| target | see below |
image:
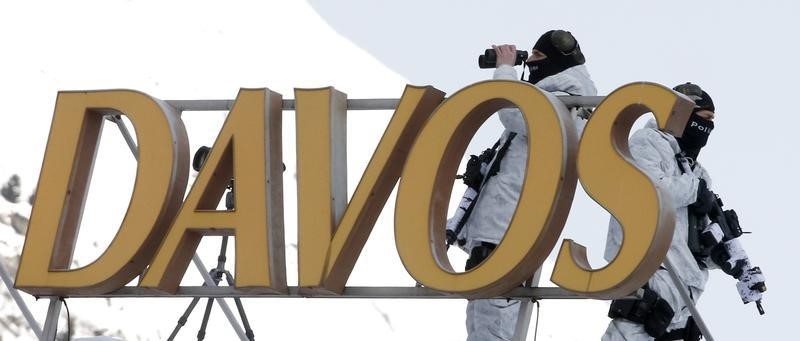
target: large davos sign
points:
(421, 147)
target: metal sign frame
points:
(529, 293)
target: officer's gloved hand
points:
(730, 257)
(472, 176)
(705, 200)
(450, 236)
(751, 284)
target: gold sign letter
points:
(330, 237)
(248, 148)
(610, 176)
(161, 177)
(428, 178)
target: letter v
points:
(330, 236)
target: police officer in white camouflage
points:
(672, 163)
(556, 66)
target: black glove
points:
(472, 176)
(705, 200)
(720, 256)
(733, 223)
(450, 236)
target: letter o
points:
(428, 177)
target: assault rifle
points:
(719, 242)
(479, 169)
(473, 177)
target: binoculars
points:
(488, 59)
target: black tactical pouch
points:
(691, 332)
(478, 254)
(651, 311)
(657, 322)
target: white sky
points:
(742, 53)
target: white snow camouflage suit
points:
(654, 152)
(494, 319)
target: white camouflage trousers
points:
(491, 319)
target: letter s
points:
(608, 174)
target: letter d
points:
(161, 178)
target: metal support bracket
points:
(20, 303)
(687, 299)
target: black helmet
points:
(561, 47)
(702, 101)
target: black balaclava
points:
(695, 135)
(697, 130)
(562, 50)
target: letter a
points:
(247, 149)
